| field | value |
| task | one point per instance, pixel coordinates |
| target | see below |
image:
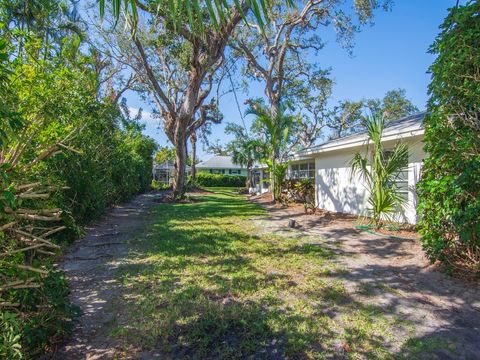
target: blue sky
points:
(390, 54)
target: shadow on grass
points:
(201, 284)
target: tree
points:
(449, 190)
(346, 118)
(177, 66)
(274, 134)
(279, 55)
(380, 172)
(394, 105)
(209, 114)
(165, 154)
(244, 149)
(349, 117)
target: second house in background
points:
(221, 165)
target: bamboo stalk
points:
(53, 231)
(28, 186)
(37, 238)
(30, 268)
(33, 196)
(7, 226)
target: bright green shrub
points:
(213, 180)
(449, 191)
(58, 138)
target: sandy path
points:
(396, 276)
(90, 267)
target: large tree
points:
(280, 55)
(394, 105)
(177, 65)
(348, 117)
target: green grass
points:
(203, 284)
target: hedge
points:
(205, 179)
(449, 191)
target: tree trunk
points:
(249, 175)
(180, 162)
(272, 179)
(193, 141)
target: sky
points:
(390, 54)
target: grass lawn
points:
(203, 284)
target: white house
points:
(337, 190)
(221, 165)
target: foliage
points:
(188, 59)
(67, 154)
(245, 150)
(380, 172)
(449, 191)
(349, 116)
(280, 56)
(157, 185)
(393, 106)
(165, 154)
(302, 190)
(219, 180)
(275, 133)
(183, 13)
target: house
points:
(221, 165)
(337, 190)
(164, 172)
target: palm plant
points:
(191, 12)
(380, 171)
(276, 131)
(244, 149)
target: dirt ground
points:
(392, 272)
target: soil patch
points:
(392, 272)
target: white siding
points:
(337, 190)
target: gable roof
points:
(402, 128)
(218, 162)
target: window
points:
(231, 172)
(217, 171)
(302, 171)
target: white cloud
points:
(147, 117)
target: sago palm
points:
(380, 171)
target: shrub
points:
(299, 190)
(157, 185)
(66, 156)
(214, 180)
(449, 191)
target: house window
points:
(402, 179)
(302, 171)
(232, 172)
(217, 171)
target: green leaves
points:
(380, 170)
(192, 12)
(449, 191)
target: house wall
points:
(339, 191)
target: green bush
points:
(157, 185)
(67, 154)
(212, 180)
(449, 191)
